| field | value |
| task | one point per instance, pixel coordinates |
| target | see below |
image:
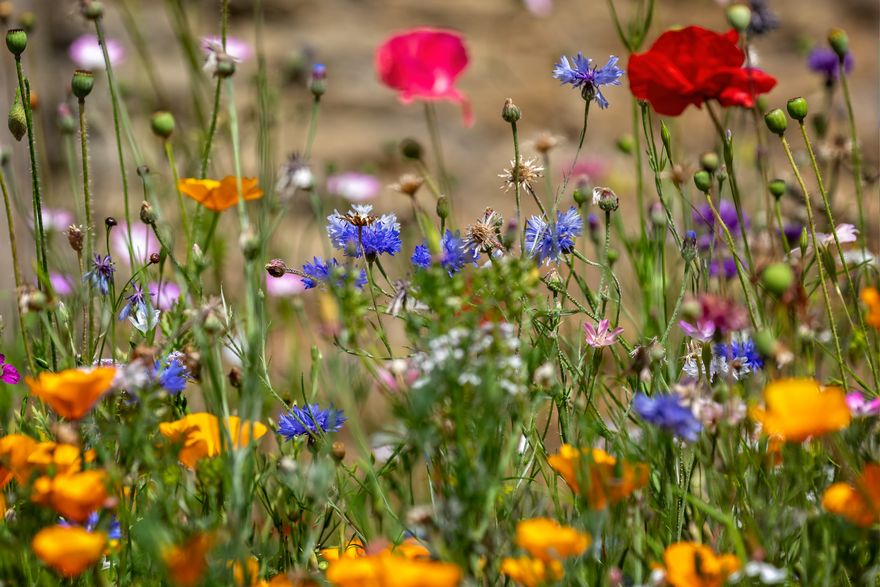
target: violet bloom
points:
(354, 186)
(235, 48)
(726, 315)
(725, 268)
(859, 405)
(143, 243)
(86, 52)
(702, 331)
(62, 284)
(602, 335)
(670, 413)
(8, 373)
(166, 294)
(286, 285)
(581, 73)
(824, 61)
(704, 217)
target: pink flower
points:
(62, 284)
(353, 186)
(423, 63)
(56, 219)
(862, 407)
(602, 335)
(8, 373)
(235, 48)
(86, 53)
(165, 295)
(286, 285)
(143, 243)
(398, 376)
(539, 7)
(703, 331)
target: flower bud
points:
(777, 188)
(689, 246)
(613, 256)
(75, 238)
(666, 137)
(626, 144)
(148, 215)
(443, 207)
(709, 161)
(16, 41)
(739, 16)
(318, 80)
(510, 112)
(691, 310)
(839, 42)
(580, 195)
(606, 199)
(65, 121)
(337, 449)
(776, 121)
(162, 124)
(155, 258)
(797, 108)
(92, 10)
(411, 149)
(777, 278)
(555, 281)
(82, 83)
(225, 68)
(703, 181)
(276, 268)
(5, 154)
(805, 239)
(17, 118)
(235, 378)
(656, 214)
(110, 222)
(765, 342)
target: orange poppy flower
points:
(388, 570)
(532, 572)
(859, 503)
(689, 564)
(797, 409)
(73, 392)
(200, 435)
(871, 298)
(186, 563)
(73, 496)
(62, 459)
(219, 195)
(547, 540)
(70, 550)
(14, 452)
(354, 549)
(604, 485)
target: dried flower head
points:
(294, 175)
(525, 173)
(408, 184)
(485, 234)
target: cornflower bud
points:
(318, 80)
(443, 207)
(510, 112)
(606, 199)
(689, 246)
(148, 215)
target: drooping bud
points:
(82, 83)
(110, 222)
(777, 278)
(797, 108)
(739, 16)
(703, 181)
(776, 121)
(510, 112)
(16, 41)
(162, 124)
(17, 118)
(148, 215)
(839, 42)
(777, 188)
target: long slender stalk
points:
(856, 150)
(313, 127)
(87, 203)
(437, 146)
(16, 268)
(516, 165)
(169, 154)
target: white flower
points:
(144, 320)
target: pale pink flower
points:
(86, 52)
(703, 331)
(539, 7)
(56, 219)
(164, 295)
(398, 376)
(235, 48)
(846, 233)
(354, 186)
(602, 335)
(143, 243)
(62, 284)
(286, 285)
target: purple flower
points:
(763, 20)
(725, 268)
(86, 52)
(792, 233)
(580, 73)
(114, 531)
(319, 271)
(704, 217)
(548, 241)
(134, 303)
(173, 375)
(143, 243)
(286, 285)
(166, 294)
(101, 274)
(62, 284)
(602, 335)
(668, 412)
(8, 373)
(372, 236)
(353, 186)
(858, 404)
(702, 331)
(824, 60)
(310, 421)
(455, 253)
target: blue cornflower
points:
(547, 241)
(455, 253)
(101, 273)
(668, 412)
(358, 232)
(310, 420)
(137, 301)
(581, 73)
(743, 357)
(318, 271)
(173, 375)
(114, 531)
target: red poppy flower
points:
(423, 63)
(692, 65)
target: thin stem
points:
(169, 154)
(577, 153)
(437, 146)
(16, 268)
(856, 150)
(516, 187)
(212, 129)
(678, 301)
(87, 202)
(313, 127)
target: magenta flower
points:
(8, 373)
(62, 284)
(143, 243)
(286, 285)
(602, 335)
(702, 331)
(862, 407)
(165, 295)
(86, 53)
(354, 186)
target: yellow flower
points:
(186, 563)
(605, 486)
(74, 496)
(532, 572)
(219, 195)
(389, 570)
(354, 549)
(73, 392)
(544, 539)
(14, 452)
(70, 550)
(871, 298)
(797, 409)
(859, 503)
(689, 564)
(253, 572)
(200, 435)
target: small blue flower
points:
(114, 531)
(136, 301)
(741, 356)
(455, 253)
(668, 412)
(547, 241)
(101, 274)
(173, 375)
(580, 73)
(377, 235)
(318, 271)
(310, 420)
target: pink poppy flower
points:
(423, 63)
(164, 295)
(86, 52)
(62, 284)
(143, 243)
(286, 285)
(354, 186)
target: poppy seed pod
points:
(82, 83)
(776, 121)
(16, 41)
(709, 161)
(777, 188)
(703, 181)
(797, 108)
(162, 124)
(739, 16)
(777, 278)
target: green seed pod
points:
(777, 188)
(411, 149)
(443, 207)
(510, 112)
(82, 83)
(739, 16)
(626, 144)
(703, 181)
(93, 10)
(162, 124)
(776, 121)
(777, 278)
(17, 118)
(613, 256)
(709, 161)
(797, 108)
(839, 41)
(16, 41)
(580, 195)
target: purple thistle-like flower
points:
(824, 60)
(725, 268)
(548, 241)
(136, 301)
(668, 412)
(602, 335)
(455, 253)
(319, 271)
(374, 237)
(580, 73)
(101, 273)
(310, 420)
(8, 373)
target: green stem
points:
(516, 188)
(678, 301)
(212, 129)
(577, 153)
(437, 146)
(16, 268)
(87, 202)
(169, 154)
(313, 127)
(856, 151)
